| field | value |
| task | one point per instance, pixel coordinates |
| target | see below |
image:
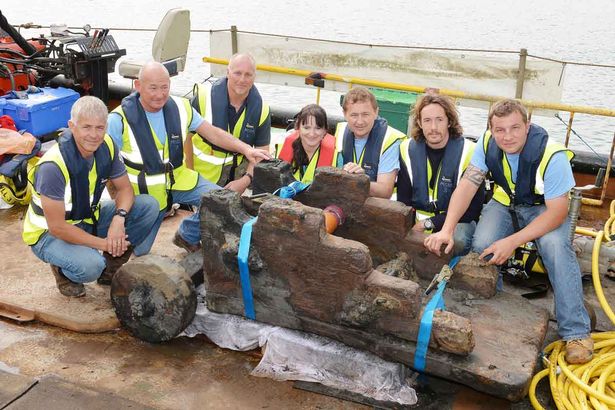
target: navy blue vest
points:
(529, 160)
(219, 103)
(371, 152)
(78, 170)
(135, 115)
(449, 169)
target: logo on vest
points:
(370, 170)
(174, 137)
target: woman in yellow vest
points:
(309, 146)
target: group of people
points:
(139, 152)
(156, 149)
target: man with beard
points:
(431, 164)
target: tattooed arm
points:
(460, 200)
(474, 174)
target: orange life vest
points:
(327, 149)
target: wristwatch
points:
(428, 224)
(121, 212)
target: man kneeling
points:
(65, 225)
(533, 176)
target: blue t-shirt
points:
(115, 127)
(389, 160)
(49, 180)
(558, 178)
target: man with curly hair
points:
(431, 164)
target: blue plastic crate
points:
(41, 113)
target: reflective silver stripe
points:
(420, 216)
(68, 205)
(183, 117)
(208, 115)
(339, 136)
(539, 188)
(135, 155)
(403, 148)
(68, 197)
(37, 200)
(212, 159)
(467, 146)
(37, 220)
(150, 180)
(40, 221)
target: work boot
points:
(66, 286)
(579, 351)
(182, 243)
(113, 264)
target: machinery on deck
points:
(80, 60)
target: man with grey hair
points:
(150, 129)
(66, 225)
(233, 104)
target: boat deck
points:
(187, 373)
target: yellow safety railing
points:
(530, 104)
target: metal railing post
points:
(234, 39)
(521, 73)
(569, 128)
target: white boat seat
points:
(169, 47)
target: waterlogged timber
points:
(303, 278)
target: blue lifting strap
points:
(436, 302)
(244, 270)
(291, 190)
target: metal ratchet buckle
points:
(444, 275)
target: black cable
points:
(581, 138)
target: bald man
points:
(150, 128)
(233, 104)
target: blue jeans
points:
(83, 264)
(190, 227)
(557, 255)
(464, 232)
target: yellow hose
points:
(586, 232)
(590, 385)
(596, 279)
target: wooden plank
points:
(16, 313)
(13, 386)
(27, 287)
(54, 393)
(306, 279)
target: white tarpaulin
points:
(470, 72)
(294, 355)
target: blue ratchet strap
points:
(453, 262)
(291, 190)
(436, 302)
(244, 270)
